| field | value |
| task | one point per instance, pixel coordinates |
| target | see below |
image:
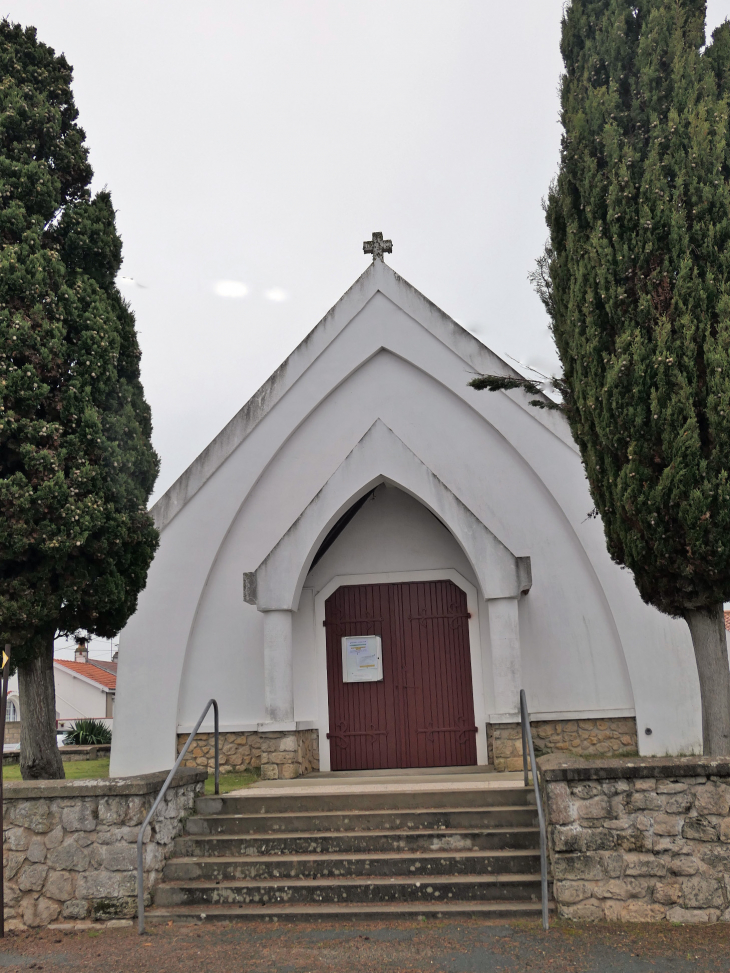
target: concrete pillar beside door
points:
(504, 635)
(278, 667)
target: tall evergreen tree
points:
(636, 280)
(76, 462)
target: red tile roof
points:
(91, 671)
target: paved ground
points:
(398, 947)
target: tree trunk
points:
(707, 627)
(39, 756)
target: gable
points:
(379, 288)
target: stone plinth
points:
(600, 737)
(278, 754)
(639, 840)
(70, 847)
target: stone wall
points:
(12, 731)
(639, 840)
(70, 847)
(599, 737)
(279, 755)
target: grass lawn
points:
(232, 782)
(93, 769)
(75, 770)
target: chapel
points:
(372, 559)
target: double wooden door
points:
(422, 713)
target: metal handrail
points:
(527, 745)
(140, 871)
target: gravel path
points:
(372, 947)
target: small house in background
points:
(85, 689)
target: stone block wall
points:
(640, 840)
(12, 731)
(279, 755)
(70, 847)
(600, 737)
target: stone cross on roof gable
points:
(377, 246)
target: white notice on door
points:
(362, 658)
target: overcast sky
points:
(250, 147)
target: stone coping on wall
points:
(556, 767)
(24, 790)
(87, 751)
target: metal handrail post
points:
(217, 747)
(525, 751)
(163, 791)
(527, 734)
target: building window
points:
(12, 714)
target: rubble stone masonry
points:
(604, 737)
(70, 847)
(280, 755)
(639, 840)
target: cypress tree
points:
(636, 280)
(76, 462)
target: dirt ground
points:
(472, 946)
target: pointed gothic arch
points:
(382, 457)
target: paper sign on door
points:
(362, 658)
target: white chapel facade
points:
(371, 560)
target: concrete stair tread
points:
(322, 800)
(422, 787)
(490, 879)
(370, 833)
(361, 856)
(369, 812)
(344, 910)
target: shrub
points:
(85, 733)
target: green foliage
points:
(636, 279)
(496, 383)
(76, 462)
(86, 733)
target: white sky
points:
(259, 143)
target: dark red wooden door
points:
(422, 713)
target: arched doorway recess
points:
(275, 587)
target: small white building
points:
(85, 689)
(367, 504)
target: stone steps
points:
(359, 889)
(358, 851)
(414, 819)
(370, 798)
(348, 911)
(392, 863)
(373, 841)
